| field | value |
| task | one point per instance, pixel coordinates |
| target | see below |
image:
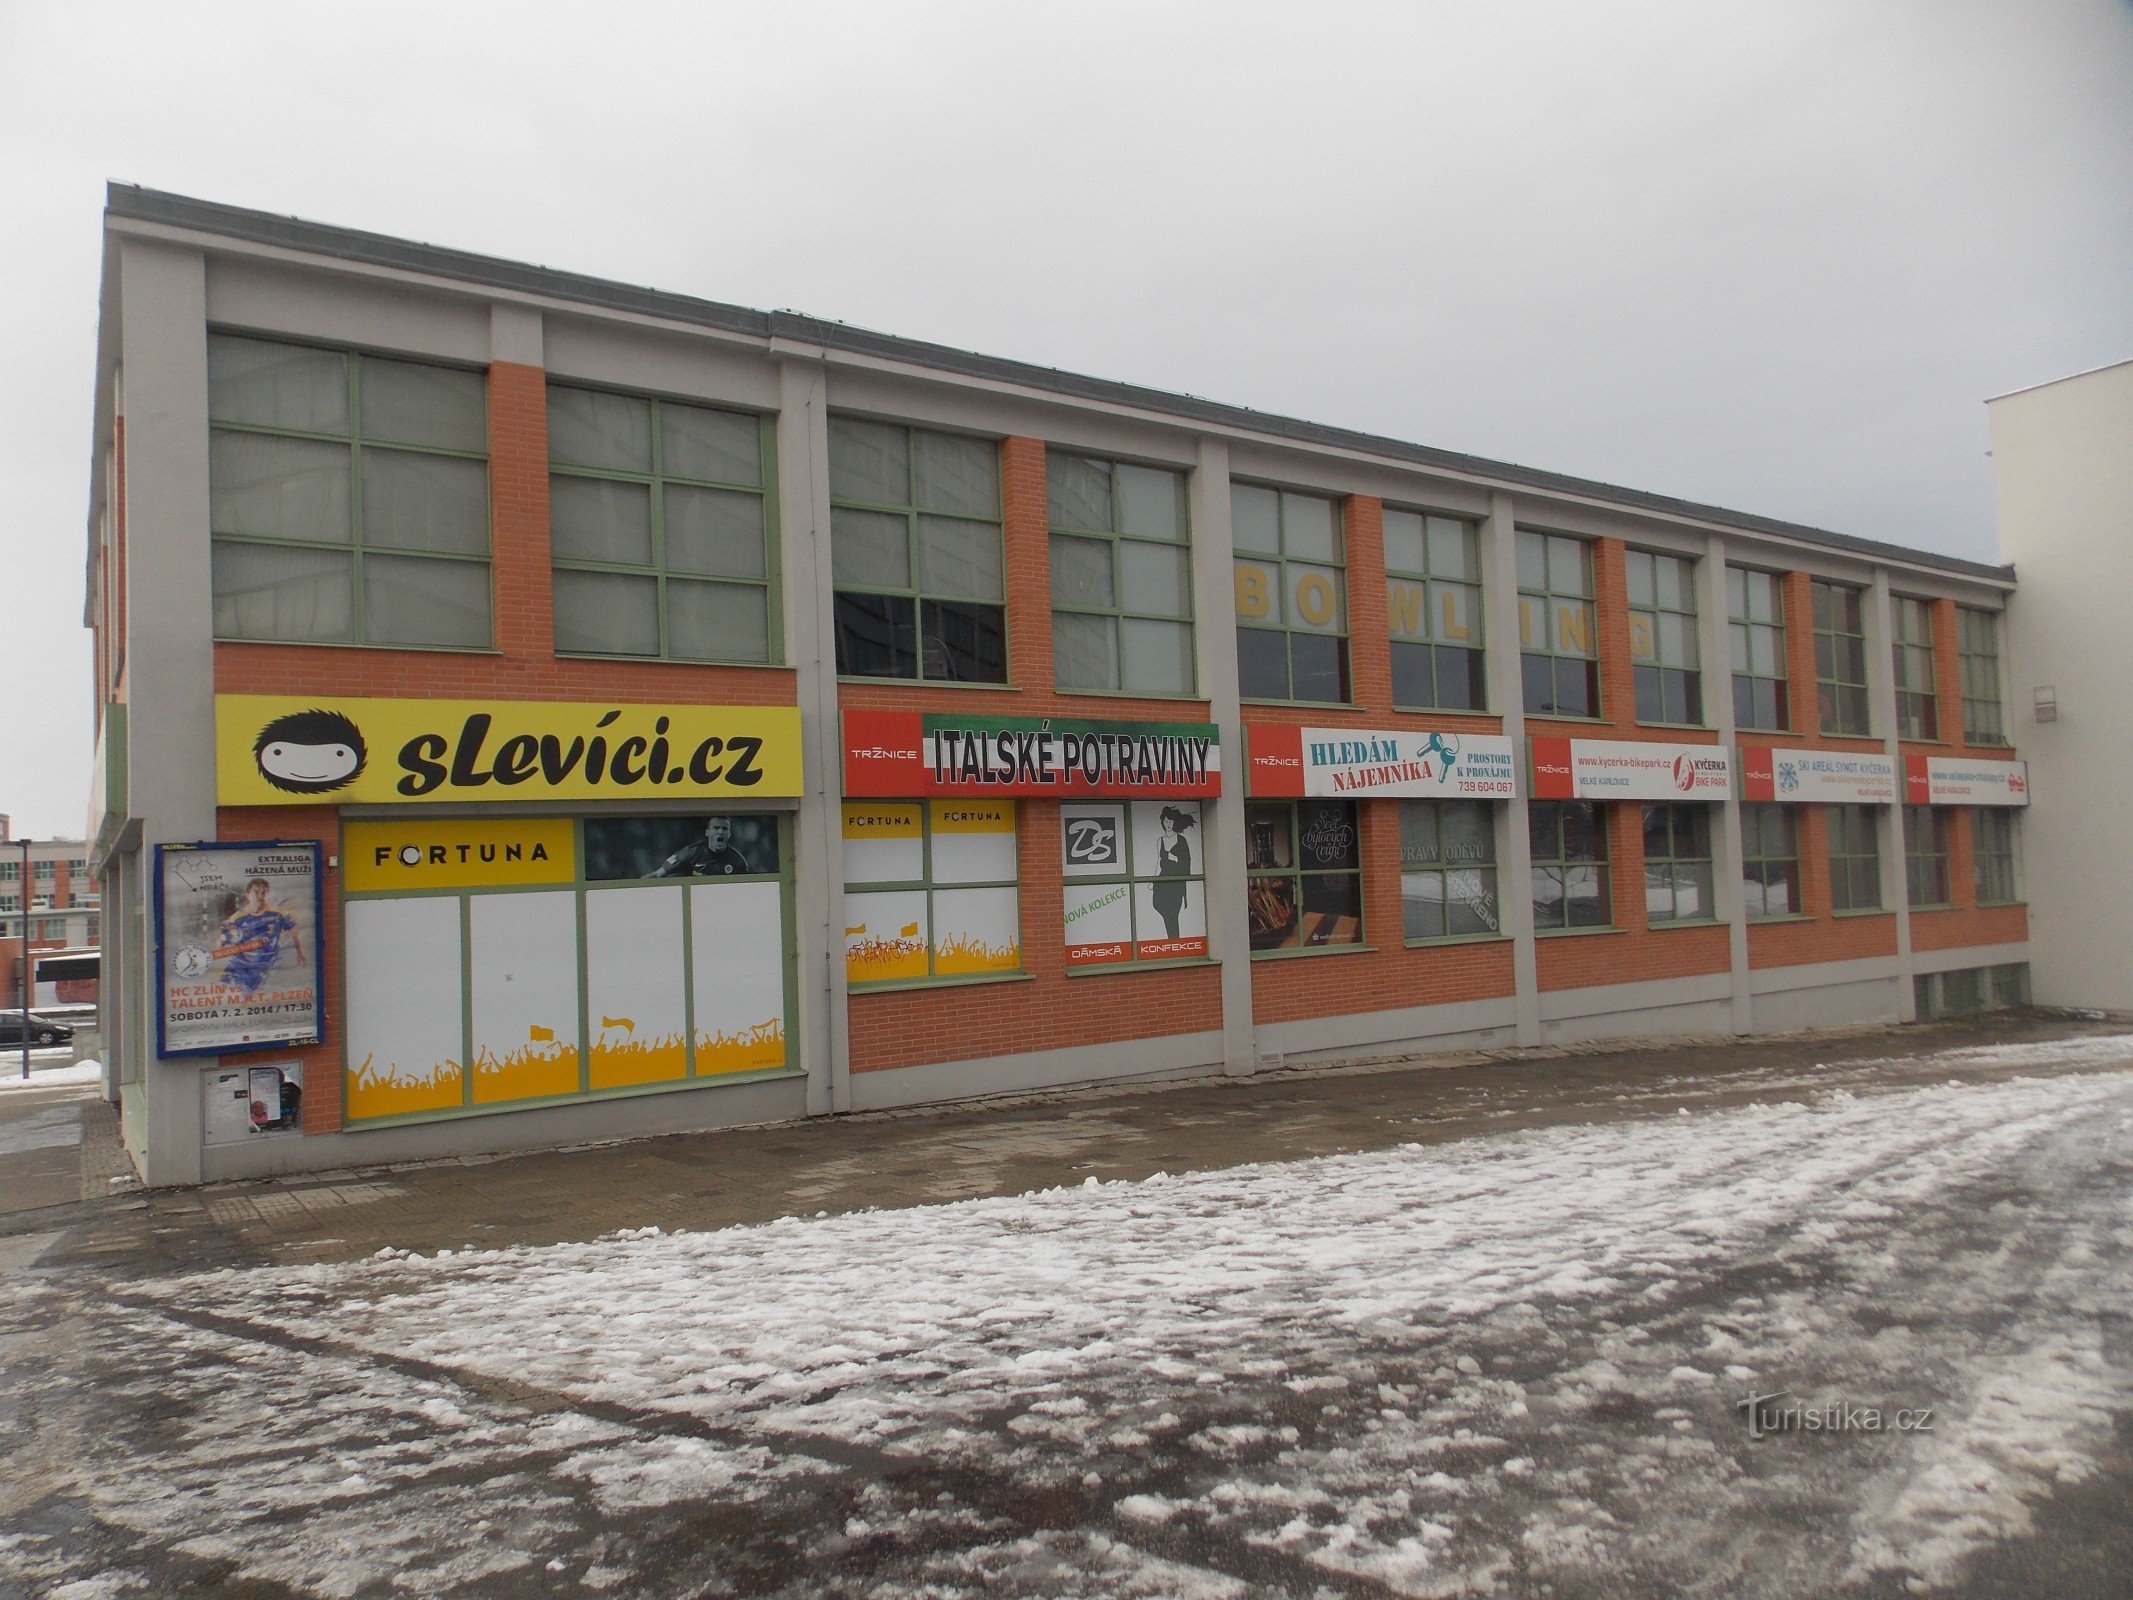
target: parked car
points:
(43, 1030)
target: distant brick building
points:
(61, 903)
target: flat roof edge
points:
(139, 204)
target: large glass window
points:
(1665, 656)
(1840, 658)
(1433, 600)
(1925, 855)
(1770, 861)
(930, 890)
(1448, 869)
(1121, 577)
(1756, 601)
(1854, 858)
(1570, 875)
(1292, 595)
(1677, 863)
(1304, 864)
(1136, 885)
(1558, 633)
(1977, 655)
(916, 558)
(348, 497)
(1993, 850)
(660, 528)
(1917, 705)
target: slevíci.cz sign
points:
(1622, 769)
(277, 750)
(1824, 777)
(911, 754)
(1323, 762)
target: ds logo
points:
(1093, 842)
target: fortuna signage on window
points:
(1298, 763)
(279, 750)
(1958, 781)
(1615, 769)
(1824, 777)
(911, 754)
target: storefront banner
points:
(457, 853)
(910, 754)
(1961, 781)
(1823, 777)
(1293, 763)
(237, 950)
(1614, 769)
(278, 750)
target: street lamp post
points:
(24, 899)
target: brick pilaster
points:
(1369, 639)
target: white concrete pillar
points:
(1881, 712)
(1507, 697)
(1714, 644)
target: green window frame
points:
(662, 521)
(1666, 656)
(1992, 839)
(1303, 876)
(1572, 885)
(1558, 626)
(1925, 857)
(1762, 692)
(918, 556)
(1678, 863)
(1917, 696)
(348, 497)
(1977, 655)
(1770, 861)
(915, 954)
(1121, 572)
(1434, 612)
(1854, 858)
(1448, 884)
(1291, 574)
(1840, 658)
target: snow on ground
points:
(1472, 1367)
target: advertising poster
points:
(1961, 781)
(1619, 769)
(237, 946)
(900, 755)
(246, 1103)
(1825, 777)
(1134, 889)
(1435, 764)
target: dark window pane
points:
(1332, 908)
(1266, 835)
(1413, 680)
(1270, 905)
(1583, 837)
(964, 642)
(1321, 666)
(1586, 896)
(1544, 824)
(876, 636)
(1470, 901)
(1651, 697)
(1262, 664)
(1689, 708)
(1744, 702)
(1462, 683)
(1657, 833)
(1422, 904)
(1577, 687)
(1538, 673)
(1325, 833)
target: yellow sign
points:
(876, 819)
(467, 853)
(278, 750)
(972, 816)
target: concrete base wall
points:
(1463, 1025)
(1175, 1055)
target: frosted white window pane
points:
(867, 463)
(1675, 591)
(717, 621)
(1637, 569)
(1451, 550)
(273, 592)
(886, 936)
(722, 446)
(870, 549)
(596, 519)
(737, 959)
(1677, 639)
(277, 488)
(276, 385)
(1532, 560)
(1317, 599)
(606, 613)
(418, 502)
(1092, 840)
(1532, 622)
(1742, 647)
(1084, 651)
(956, 475)
(1079, 492)
(409, 600)
(1158, 656)
(589, 429)
(1255, 519)
(960, 559)
(976, 930)
(1098, 914)
(714, 531)
(891, 854)
(634, 986)
(1572, 631)
(1147, 819)
(410, 403)
(1404, 545)
(1156, 578)
(1081, 572)
(1737, 592)
(523, 985)
(1454, 614)
(403, 1004)
(1258, 587)
(1567, 567)
(1150, 502)
(972, 854)
(1309, 528)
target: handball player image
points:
(250, 937)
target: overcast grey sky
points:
(1771, 255)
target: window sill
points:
(1663, 924)
(962, 981)
(1774, 733)
(933, 683)
(1182, 696)
(668, 661)
(1937, 905)
(1999, 905)
(1458, 939)
(1314, 951)
(1780, 917)
(1679, 727)
(1444, 711)
(1574, 933)
(1864, 911)
(1307, 705)
(1099, 969)
(1566, 716)
(352, 644)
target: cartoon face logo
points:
(310, 752)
